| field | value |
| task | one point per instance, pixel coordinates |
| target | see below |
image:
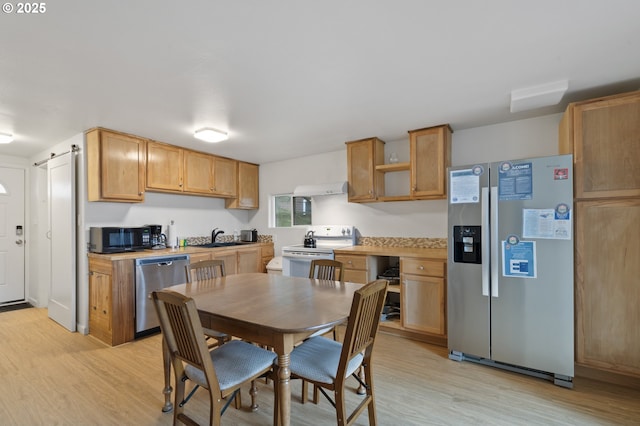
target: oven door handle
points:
(304, 255)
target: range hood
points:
(320, 189)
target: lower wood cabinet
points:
(266, 254)
(111, 300)
(112, 286)
(607, 283)
(355, 268)
(423, 294)
(249, 260)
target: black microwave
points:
(118, 240)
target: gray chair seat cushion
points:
(317, 359)
(234, 363)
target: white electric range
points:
(296, 259)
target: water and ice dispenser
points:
(466, 244)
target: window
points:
(290, 211)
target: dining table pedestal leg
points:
(284, 390)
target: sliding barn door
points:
(62, 236)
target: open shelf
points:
(393, 167)
(395, 198)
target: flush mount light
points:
(538, 96)
(209, 134)
(6, 138)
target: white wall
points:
(512, 140)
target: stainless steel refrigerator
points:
(510, 267)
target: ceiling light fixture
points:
(538, 96)
(6, 138)
(209, 134)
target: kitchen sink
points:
(213, 245)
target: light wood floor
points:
(50, 376)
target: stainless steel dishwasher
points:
(155, 273)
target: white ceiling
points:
(290, 78)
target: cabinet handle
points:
(421, 268)
(140, 193)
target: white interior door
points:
(62, 234)
(11, 235)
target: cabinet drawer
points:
(430, 268)
(354, 276)
(353, 262)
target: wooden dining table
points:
(273, 310)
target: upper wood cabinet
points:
(430, 152)
(225, 176)
(174, 169)
(164, 167)
(247, 196)
(366, 183)
(604, 137)
(115, 166)
(198, 172)
(430, 155)
(209, 175)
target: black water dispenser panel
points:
(466, 244)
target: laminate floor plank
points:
(49, 376)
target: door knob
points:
(19, 242)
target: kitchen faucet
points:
(214, 234)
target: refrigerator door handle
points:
(495, 243)
(486, 260)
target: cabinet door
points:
(164, 167)
(247, 188)
(225, 175)
(266, 253)
(199, 257)
(365, 183)
(249, 260)
(423, 304)
(115, 166)
(606, 146)
(607, 285)
(430, 156)
(100, 306)
(198, 172)
(230, 261)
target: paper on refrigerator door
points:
(465, 185)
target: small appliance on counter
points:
(309, 241)
(249, 236)
(158, 239)
(118, 240)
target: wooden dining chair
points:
(330, 270)
(326, 269)
(222, 371)
(328, 364)
(205, 270)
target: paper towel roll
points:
(172, 235)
